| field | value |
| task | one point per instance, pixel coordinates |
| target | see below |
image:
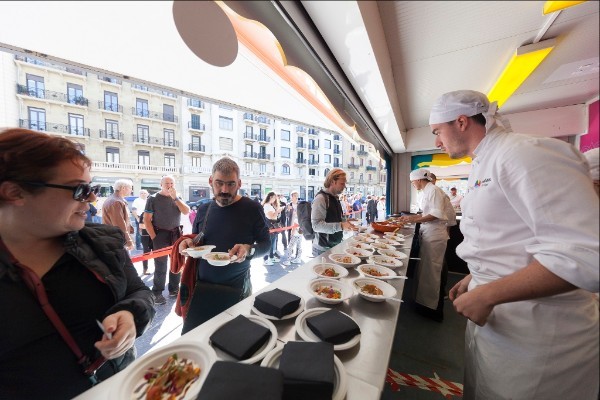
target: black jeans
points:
(163, 239)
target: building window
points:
(370, 177)
(352, 147)
(352, 160)
(168, 113)
(169, 160)
(196, 142)
(74, 93)
(351, 175)
(328, 158)
(225, 144)
(225, 123)
(111, 101)
(112, 129)
(35, 86)
(37, 119)
(326, 172)
(285, 169)
(196, 162)
(285, 152)
(263, 133)
(362, 147)
(143, 157)
(143, 134)
(249, 129)
(285, 135)
(76, 124)
(169, 137)
(262, 168)
(362, 162)
(312, 171)
(327, 143)
(195, 121)
(112, 155)
(141, 108)
(336, 162)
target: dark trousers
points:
(138, 236)
(163, 239)
(147, 245)
(273, 248)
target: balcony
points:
(301, 129)
(264, 156)
(336, 151)
(301, 145)
(313, 147)
(111, 166)
(141, 112)
(353, 166)
(362, 152)
(337, 137)
(54, 128)
(258, 156)
(337, 165)
(111, 135)
(250, 137)
(109, 79)
(195, 104)
(371, 168)
(249, 117)
(196, 126)
(113, 107)
(143, 139)
(264, 121)
(197, 147)
(301, 161)
(313, 162)
(263, 138)
(50, 95)
(190, 169)
(313, 131)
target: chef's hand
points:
(241, 251)
(461, 287)
(348, 226)
(184, 244)
(474, 305)
(122, 327)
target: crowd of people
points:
(529, 297)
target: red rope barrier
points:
(165, 251)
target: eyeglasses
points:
(81, 192)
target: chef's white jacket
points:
(531, 197)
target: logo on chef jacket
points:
(479, 183)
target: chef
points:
(433, 239)
(532, 257)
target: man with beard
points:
(234, 224)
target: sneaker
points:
(286, 263)
(269, 261)
(276, 259)
(173, 293)
(297, 261)
(159, 299)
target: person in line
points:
(448, 209)
(137, 208)
(55, 261)
(115, 210)
(326, 215)
(146, 243)
(346, 207)
(433, 238)
(532, 257)
(162, 218)
(455, 199)
(296, 239)
(272, 209)
(371, 209)
(381, 211)
(282, 219)
(357, 207)
(234, 224)
(192, 215)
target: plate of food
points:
(178, 370)
(376, 271)
(393, 253)
(218, 258)
(385, 261)
(198, 251)
(359, 245)
(329, 291)
(383, 246)
(272, 360)
(374, 290)
(363, 254)
(287, 316)
(261, 352)
(332, 271)
(309, 336)
(345, 260)
(362, 239)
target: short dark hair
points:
(479, 119)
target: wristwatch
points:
(252, 251)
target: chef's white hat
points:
(451, 105)
(592, 157)
(420, 173)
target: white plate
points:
(306, 334)
(260, 353)
(287, 316)
(339, 386)
(219, 263)
(346, 291)
(319, 268)
(397, 254)
(204, 356)
(379, 268)
(199, 251)
(380, 246)
(360, 253)
(353, 263)
(385, 261)
(388, 290)
(359, 245)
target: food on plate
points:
(328, 292)
(344, 259)
(362, 246)
(329, 272)
(386, 261)
(219, 257)
(374, 272)
(355, 253)
(371, 289)
(172, 379)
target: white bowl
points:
(393, 253)
(388, 290)
(199, 251)
(345, 260)
(383, 246)
(368, 270)
(219, 259)
(319, 269)
(332, 284)
(362, 239)
(359, 245)
(369, 236)
(385, 261)
(202, 355)
(363, 254)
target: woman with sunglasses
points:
(59, 276)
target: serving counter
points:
(365, 364)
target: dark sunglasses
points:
(81, 192)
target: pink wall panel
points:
(591, 139)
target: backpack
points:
(304, 210)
